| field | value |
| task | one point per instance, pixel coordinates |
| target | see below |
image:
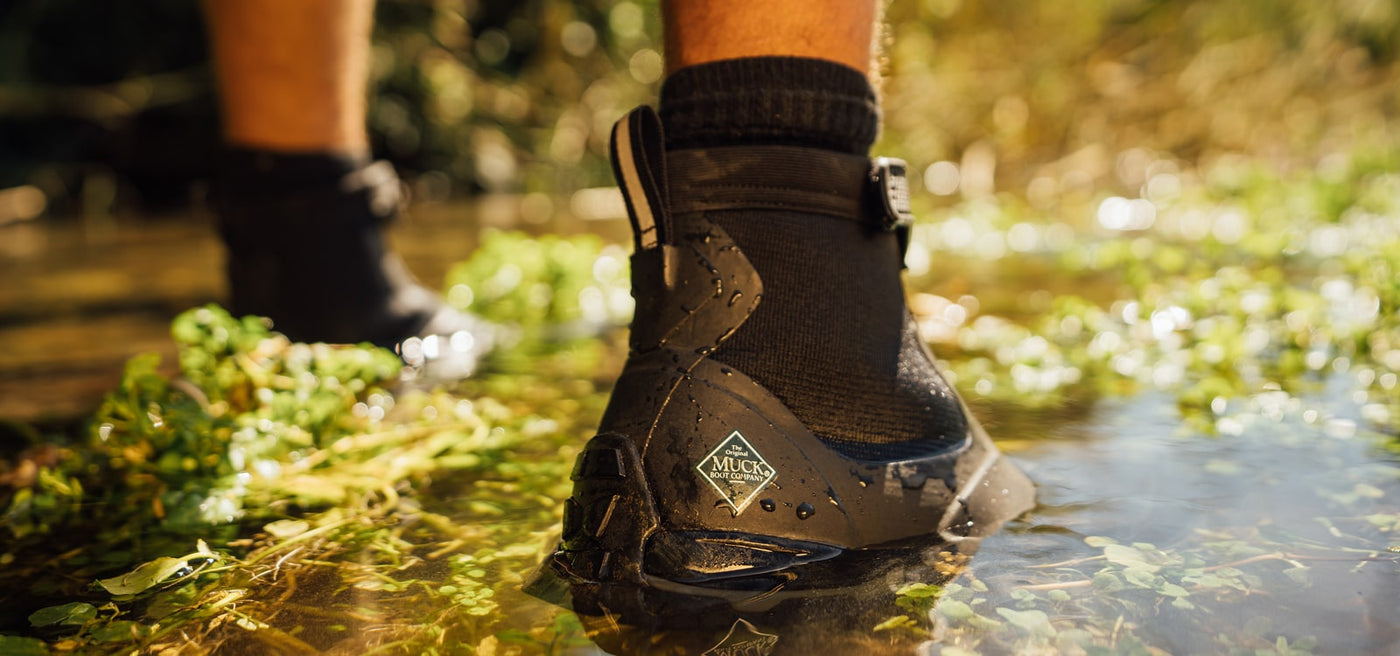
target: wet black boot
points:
(775, 479)
(305, 248)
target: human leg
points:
(842, 31)
(293, 75)
(300, 202)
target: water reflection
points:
(1279, 536)
(831, 611)
(753, 595)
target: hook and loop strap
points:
(639, 164)
(872, 192)
(792, 178)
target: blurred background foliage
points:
(110, 106)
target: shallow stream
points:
(1210, 422)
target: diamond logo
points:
(736, 471)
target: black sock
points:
(831, 337)
(770, 100)
(270, 174)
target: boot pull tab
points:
(889, 187)
(639, 163)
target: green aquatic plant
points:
(320, 490)
(188, 451)
(340, 511)
(1276, 301)
(548, 282)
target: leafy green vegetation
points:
(1159, 252)
(316, 486)
(338, 512)
(1237, 288)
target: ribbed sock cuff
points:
(792, 101)
(252, 172)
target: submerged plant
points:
(339, 512)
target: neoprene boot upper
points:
(702, 476)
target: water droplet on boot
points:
(863, 479)
(805, 510)
(768, 504)
(734, 298)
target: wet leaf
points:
(119, 630)
(71, 614)
(919, 591)
(1024, 598)
(1107, 582)
(157, 572)
(1206, 581)
(955, 610)
(1076, 637)
(1298, 575)
(286, 528)
(917, 597)
(983, 623)
(1128, 557)
(1141, 577)
(898, 622)
(144, 577)
(1173, 590)
(20, 646)
(1034, 622)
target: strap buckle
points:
(890, 184)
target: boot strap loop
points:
(639, 164)
(890, 186)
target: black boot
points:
(306, 248)
(726, 471)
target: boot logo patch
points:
(736, 471)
